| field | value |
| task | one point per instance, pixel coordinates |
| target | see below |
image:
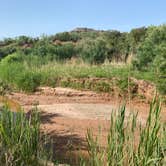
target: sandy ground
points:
(66, 115)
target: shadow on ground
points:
(47, 118)
(67, 147)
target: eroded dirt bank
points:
(66, 115)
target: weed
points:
(21, 142)
(123, 148)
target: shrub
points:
(118, 46)
(93, 51)
(64, 52)
(12, 58)
(152, 48)
(151, 54)
(21, 40)
(28, 81)
(66, 36)
(102, 87)
(160, 66)
(9, 72)
(4, 51)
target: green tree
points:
(117, 44)
(152, 55)
(67, 36)
(152, 48)
(93, 51)
(21, 40)
(136, 37)
(65, 51)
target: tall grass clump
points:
(129, 142)
(26, 73)
(28, 81)
(18, 74)
(21, 142)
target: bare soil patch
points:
(66, 115)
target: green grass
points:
(125, 147)
(28, 73)
(21, 142)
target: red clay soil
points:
(66, 115)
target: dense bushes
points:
(64, 52)
(92, 46)
(66, 36)
(31, 71)
(4, 51)
(153, 48)
(17, 75)
(12, 58)
(61, 46)
(93, 52)
(152, 54)
(22, 40)
(136, 37)
(28, 81)
(146, 46)
(57, 52)
(117, 45)
(6, 41)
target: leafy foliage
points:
(146, 46)
(93, 51)
(66, 36)
(152, 54)
(117, 45)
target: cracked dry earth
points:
(66, 114)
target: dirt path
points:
(67, 114)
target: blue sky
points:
(36, 17)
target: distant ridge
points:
(83, 29)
